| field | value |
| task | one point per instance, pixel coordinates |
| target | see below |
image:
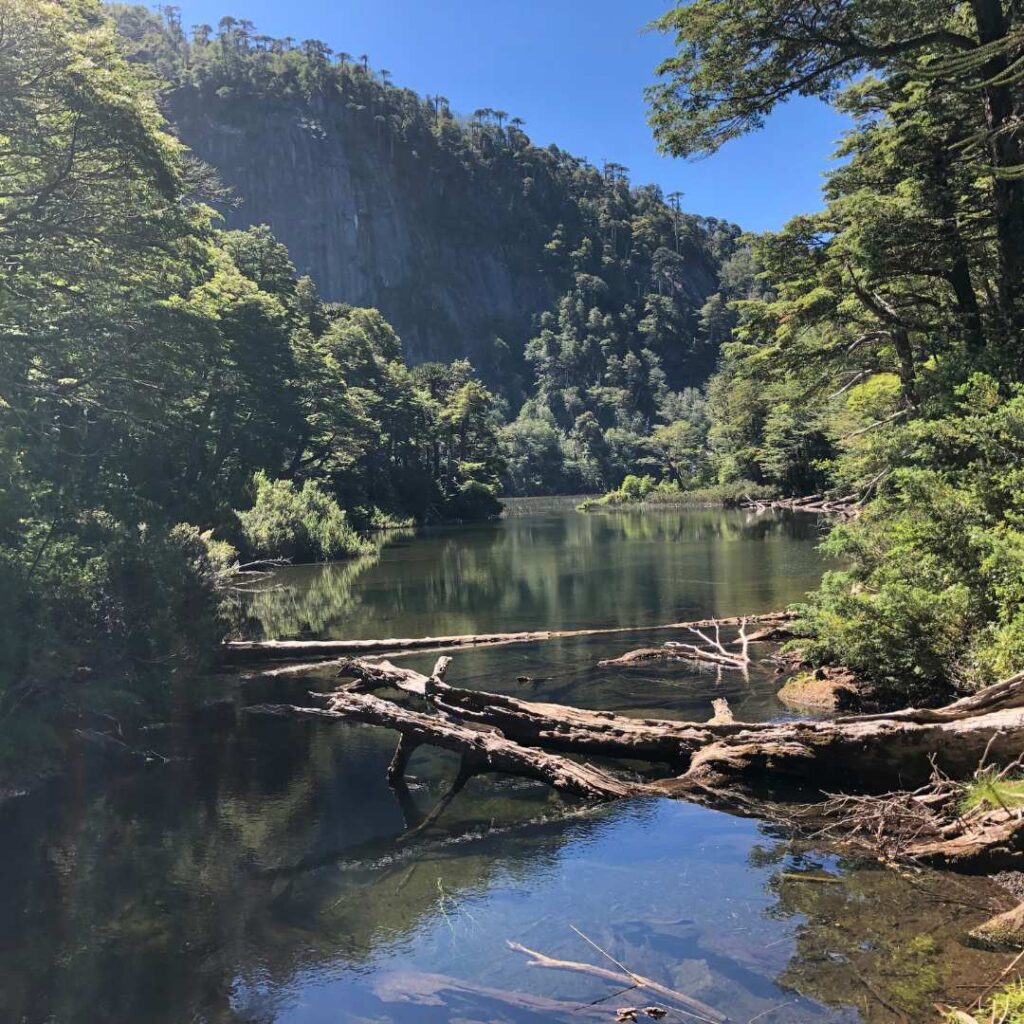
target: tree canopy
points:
(891, 319)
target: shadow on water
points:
(260, 878)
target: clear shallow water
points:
(261, 879)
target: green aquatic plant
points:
(1005, 1007)
(914, 974)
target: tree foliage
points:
(883, 355)
(155, 371)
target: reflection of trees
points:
(208, 892)
(623, 569)
(882, 941)
(160, 899)
(564, 570)
(154, 902)
(304, 600)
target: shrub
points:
(643, 490)
(222, 555)
(932, 597)
(303, 524)
(472, 502)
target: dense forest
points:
(177, 395)
(261, 305)
(885, 359)
(591, 307)
(170, 391)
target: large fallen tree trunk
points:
(718, 762)
(251, 651)
(482, 750)
(875, 751)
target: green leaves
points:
(737, 60)
(298, 523)
(934, 593)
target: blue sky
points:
(575, 71)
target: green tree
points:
(737, 60)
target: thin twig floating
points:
(683, 1003)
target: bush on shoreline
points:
(644, 490)
(932, 599)
(301, 524)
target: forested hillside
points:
(174, 394)
(559, 281)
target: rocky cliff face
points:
(452, 249)
(374, 224)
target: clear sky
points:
(575, 71)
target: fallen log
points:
(848, 506)
(482, 750)
(1002, 933)
(467, 1001)
(860, 753)
(249, 651)
(555, 727)
(994, 842)
(720, 759)
(887, 746)
(903, 747)
(641, 654)
(625, 978)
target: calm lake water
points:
(261, 877)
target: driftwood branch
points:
(714, 652)
(844, 507)
(468, 1001)
(240, 652)
(693, 1008)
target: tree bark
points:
(1005, 153)
(958, 273)
(484, 750)
(721, 762)
(886, 749)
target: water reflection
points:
(222, 891)
(259, 878)
(557, 570)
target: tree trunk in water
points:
(722, 762)
(240, 652)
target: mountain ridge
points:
(461, 231)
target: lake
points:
(258, 875)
